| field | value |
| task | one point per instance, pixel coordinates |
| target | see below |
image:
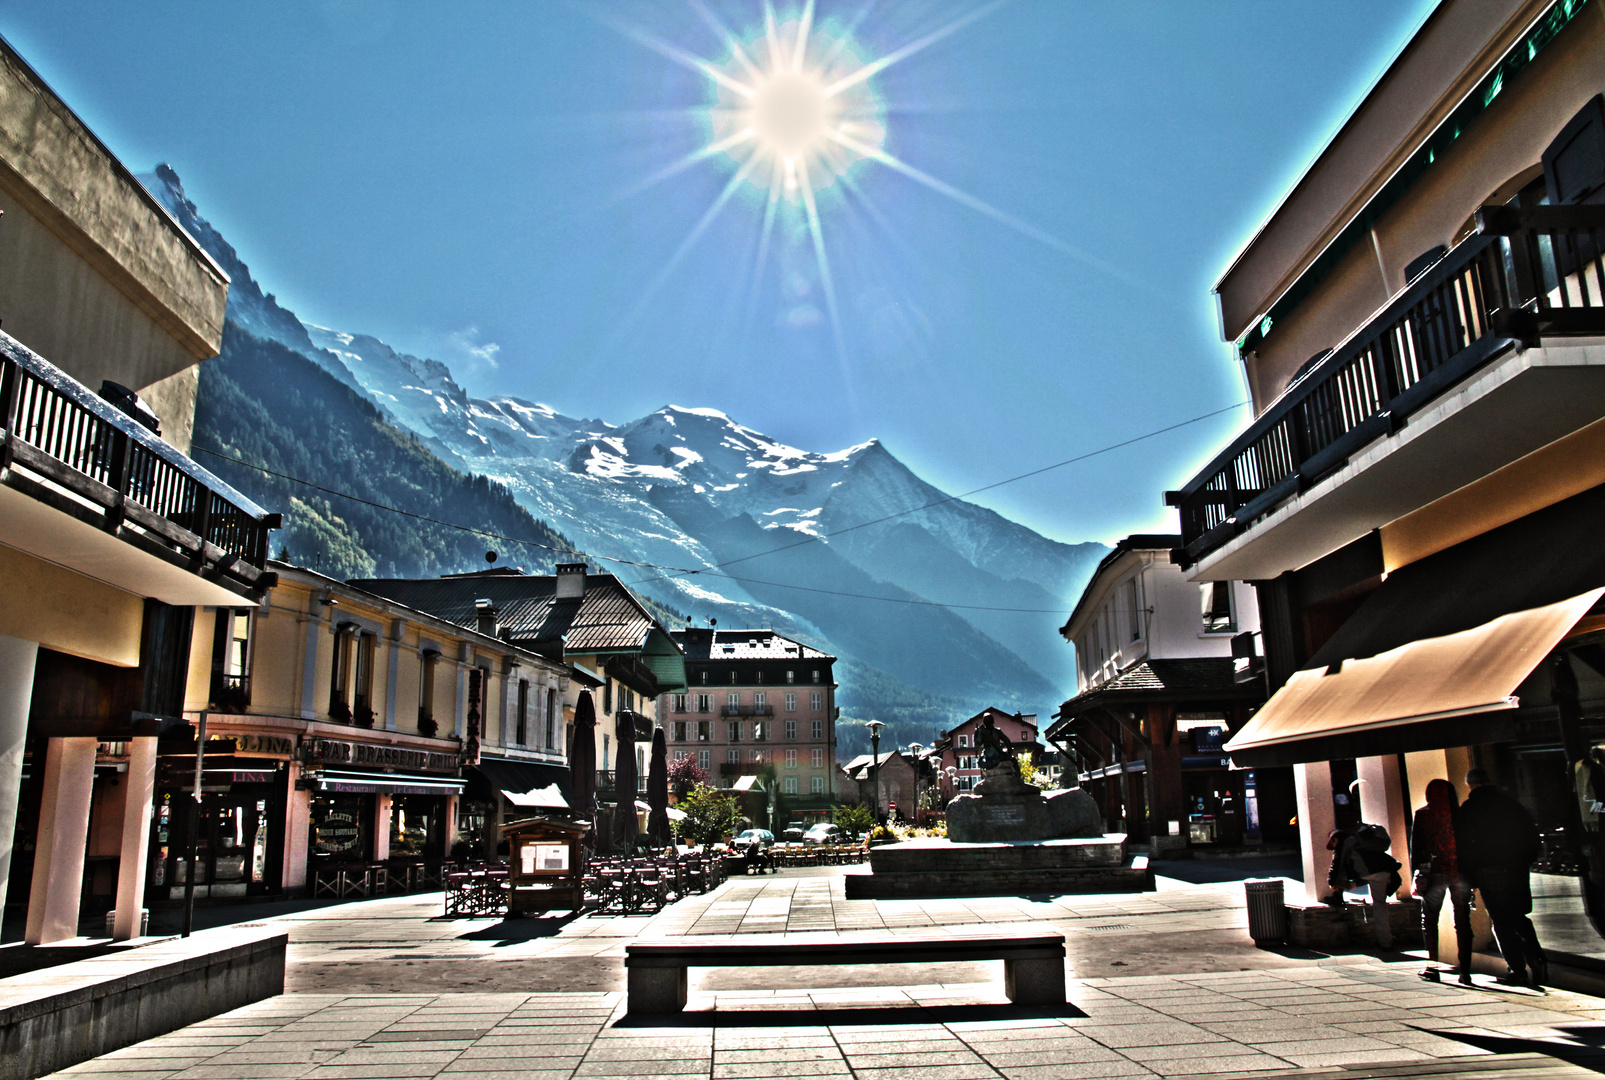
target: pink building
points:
(956, 749)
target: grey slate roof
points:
(607, 619)
(743, 645)
(1210, 677)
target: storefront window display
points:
(237, 842)
(417, 826)
(341, 828)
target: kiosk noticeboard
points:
(546, 865)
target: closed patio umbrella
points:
(625, 828)
(657, 790)
(582, 763)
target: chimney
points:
(485, 617)
(570, 581)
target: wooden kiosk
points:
(545, 865)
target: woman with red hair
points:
(1437, 873)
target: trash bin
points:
(144, 922)
(1267, 916)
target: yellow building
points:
(346, 722)
(111, 537)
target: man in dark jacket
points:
(1496, 843)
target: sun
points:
(794, 108)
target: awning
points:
(388, 783)
(1442, 691)
(528, 783)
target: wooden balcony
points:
(64, 447)
(1524, 277)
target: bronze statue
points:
(995, 747)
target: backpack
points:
(1372, 838)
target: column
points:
(138, 789)
(297, 831)
(16, 694)
(1312, 786)
(1382, 803)
(381, 827)
(450, 826)
(58, 864)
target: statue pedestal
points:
(934, 867)
(1003, 808)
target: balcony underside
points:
(1520, 403)
(125, 559)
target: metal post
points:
(194, 828)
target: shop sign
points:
(255, 745)
(381, 756)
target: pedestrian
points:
(1437, 874)
(1360, 857)
(1496, 843)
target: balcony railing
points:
(1523, 275)
(120, 476)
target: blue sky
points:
(470, 181)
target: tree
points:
(710, 814)
(854, 820)
(684, 773)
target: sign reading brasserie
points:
(378, 756)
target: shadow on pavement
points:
(514, 931)
(1220, 871)
(1584, 1057)
(886, 1014)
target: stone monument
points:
(1006, 838)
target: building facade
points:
(1158, 691)
(957, 759)
(1420, 493)
(757, 704)
(113, 542)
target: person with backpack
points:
(1437, 874)
(1360, 857)
(1496, 843)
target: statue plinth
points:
(1003, 809)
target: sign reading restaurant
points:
(380, 756)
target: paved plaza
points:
(1162, 984)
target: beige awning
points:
(1470, 673)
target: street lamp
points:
(916, 749)
(952, 781)
(875, 768)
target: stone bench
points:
(1033, 962)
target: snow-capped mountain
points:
(716, 519)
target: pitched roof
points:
(1201, 677)
(606, 619)
(700, 644)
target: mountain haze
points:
(692, 509)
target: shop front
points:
(504, 789)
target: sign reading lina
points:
(336, 752)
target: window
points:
(791, 785)
(818, 675)
(605, 765)
(679, 731)
(704, 703)
(362, 689)
(816, 729)
(733, 700)
(733, 756)
(964, 741)
(426, 692)
(705, 760)
(757, 677)
(760, 731)
(816, 785)
(704, 730)
(791, 731)
(819, 758)
(734, 727)
(732, 678)
(704, 678)
(551, 718)
(1217, 597)
(340, 676)
(791, 759)
(640, 768)
(791, 677)
(607, 696)
(757, 757)
(791, 701)
(816, 700)
(231, 683)
(760, 700)
(521, 729)
(680, 702)
(680, 755)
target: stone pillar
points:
(1382, 802)
(297, 832)
(1312, 785)
(381, 827)
(58, 862)
(138, 789)
(16, 694)
(449, 830)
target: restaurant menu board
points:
(543, 858)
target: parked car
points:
(823, 833)
(792, 835)
(748, 837)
